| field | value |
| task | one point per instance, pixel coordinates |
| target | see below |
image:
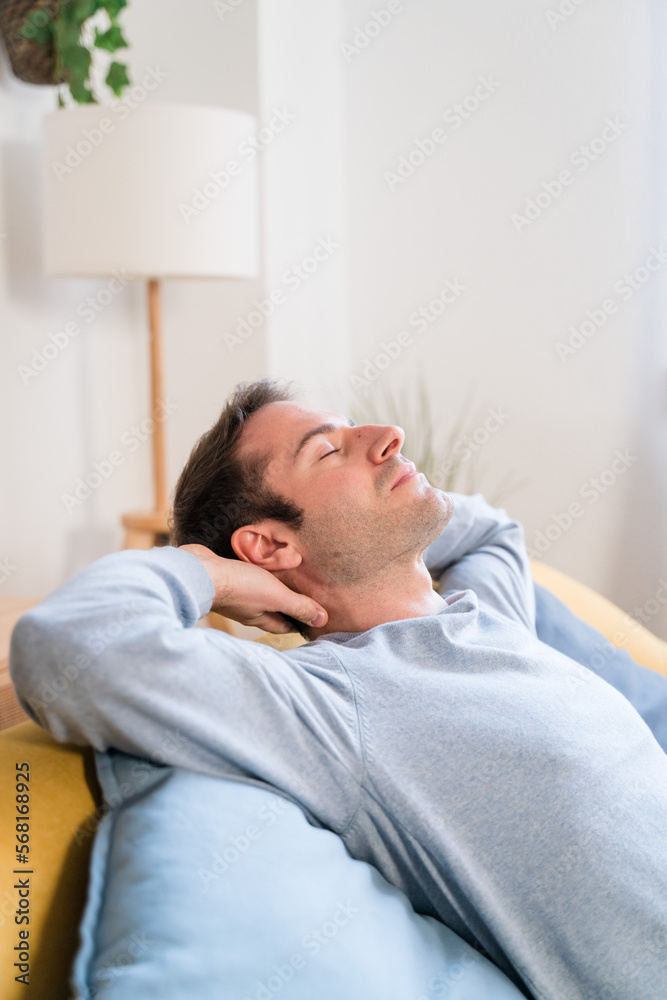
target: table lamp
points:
(157, 191)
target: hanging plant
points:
(63, 32)
(30, 62)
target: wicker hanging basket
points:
(30, 61)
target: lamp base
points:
(144, 529)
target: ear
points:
(266, 544)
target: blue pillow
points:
(644, 688)
(222, 890)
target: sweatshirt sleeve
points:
(483, 549)
(112, 659)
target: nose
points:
(386, 441)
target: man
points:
(433, 732)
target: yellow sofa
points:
(65, 803)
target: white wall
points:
(451, 218)
(74, 413)
(355, 116)
(304, 196)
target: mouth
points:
(408, 471)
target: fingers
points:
(283, 622)
(253, 596)
(302, 608)
(276, 624)
(309, 612)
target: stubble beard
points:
(352, 547)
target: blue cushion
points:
(644, 688)
(222, 890)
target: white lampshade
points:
(159, 190)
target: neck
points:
(396, 592)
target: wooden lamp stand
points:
(134, 227)
(144, 529)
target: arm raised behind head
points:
(253, 596)
(483, 549)
(112, 659)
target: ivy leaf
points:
(76, 58)
(77, 78)
(38, 27)
(114, 7)
(110, 40)
(81, 10)
(67, 35)
(80, 91)
(73, 58)
(117, 77)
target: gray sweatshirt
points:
(509, 793)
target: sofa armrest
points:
(63, 809)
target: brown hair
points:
(218, 492)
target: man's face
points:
(357, 521)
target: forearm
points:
(111, 659)
(107, 630)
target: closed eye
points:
(329, 453)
